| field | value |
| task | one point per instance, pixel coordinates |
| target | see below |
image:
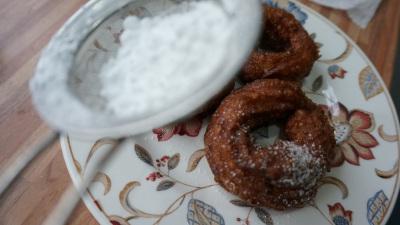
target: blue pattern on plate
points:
(208, 212)
(376, 208)
(340, 220)
(300, 15)
(369, 83)
(271, 3)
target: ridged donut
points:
(280, 176)
(285, 50)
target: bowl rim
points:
(81, 24)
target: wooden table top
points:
(25, 28)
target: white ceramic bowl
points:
(67, 69)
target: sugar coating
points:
(303, 169)
(162, 59)
(281, 175)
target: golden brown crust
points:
(286, 51)
(280, 176)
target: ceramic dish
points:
(90, 38)
(162, 177)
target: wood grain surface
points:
(25, 28)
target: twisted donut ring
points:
(285, 51)
(280, 176)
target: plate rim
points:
(76, 181)
(101, 217)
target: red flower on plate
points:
(189, 128)
(352, 133)
(163, 161)
(154, 176)
(336, 71)
(339, 215)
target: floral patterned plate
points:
(162, 177)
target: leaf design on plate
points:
(369, 83)
(200, 213)
(338, 183)
(123, 196)
(240, 203)
(195, 159)
(143, 155)
(97, 145)
(314, 36)
(341, 57)
(174, 161)
(99, 46)
(264, 216)
(389, 173)
(317, 84)
(103, 179)
(165, 185)
(387, 137)
(117, 220)
(123, 199)
(203, 220)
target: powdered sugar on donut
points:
(303, 167)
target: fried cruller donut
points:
(285, 50)
(280, 176)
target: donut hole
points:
(270, 41)
(267, 134)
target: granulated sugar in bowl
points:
(119, 68)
